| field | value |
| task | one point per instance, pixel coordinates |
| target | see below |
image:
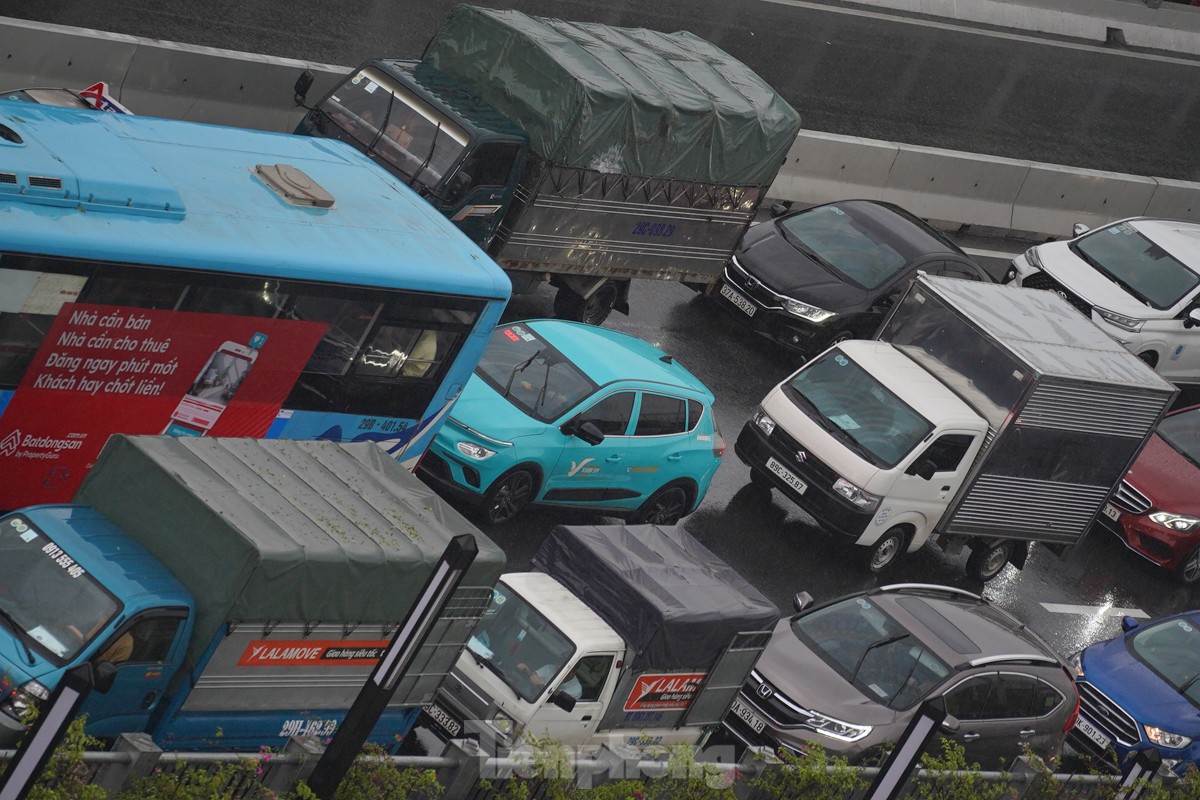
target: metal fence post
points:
(460, 780)
(143, 758)
(303, 753)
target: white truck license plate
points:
(1111, 511)
(788, 477)
(749, 717)
(443, 718)
(1089, 730)
(733, 296)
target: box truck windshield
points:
(514, 640)
(851, 404)
(47, 600)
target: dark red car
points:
(1156, 509)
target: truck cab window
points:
(148, 640)
(490, 164)
(947, 451)
(592, 673)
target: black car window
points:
(1021, 696)
(947, 451)
(661, 416)
(973, 698)
(611, 414)
(695, 412)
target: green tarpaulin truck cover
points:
(269, 530)
(620, 100)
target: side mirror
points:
(779, 209)
(801, 601)
(303, 84)
(1193, 318)
(563, 700)
(1079, 229)
(587, 431)
(888, 300)
(1128, 623)
(457, 186)
(923, 468)
(950, 723)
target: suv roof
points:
(962, 628)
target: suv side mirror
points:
(563, 700)
(779, 209)
(801, 601)
(923, 468)
(1193, 318)
(587, 430)
(1128, 623)
(303, 84)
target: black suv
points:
(849, 675)
(829, 273)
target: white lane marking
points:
(1094, 611)
(966, 27)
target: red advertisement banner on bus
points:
(108, 369)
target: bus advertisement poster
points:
(108, 369)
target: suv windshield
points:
(532, 374)
(56, 607)
(854, 405)
(1172, 649)
(872, 651)
(1147, 271)
(838, 241)
(520, 645)
(1182, 431)
(407, 133)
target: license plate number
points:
(1090, 731)
(1111, 511)
(787, 475)
(733, 296)
(443, 718)
(747, 716)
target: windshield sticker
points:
(370, 87)
(27, 534)
(844, 421)
(1184, 626)
(838, 211)
(60, 557)
(840, 360)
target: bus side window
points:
(402, 351)
(153, 291)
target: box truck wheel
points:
(569, 304)
(510, 493)
(988, 558)
(886, 549)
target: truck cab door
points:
(146, 652)
(477, 195)
(592, 676)
(933, 476)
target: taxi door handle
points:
(613, 458)
(674, 456)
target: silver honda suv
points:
(849, 674)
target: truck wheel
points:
(665, 507)
(511, 492)
(887, 549)
(594, 310)
(1188, 571)
(988, 560)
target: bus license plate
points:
(1111, 511)
(787, 475)
(1090, 731)
(730, 294)
(749, 717)
(442, 717)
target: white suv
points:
(1138, 279)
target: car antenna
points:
(666, 359)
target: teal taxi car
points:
(565, 414)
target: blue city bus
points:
(159, 276)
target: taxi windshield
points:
(48, 601)
(531, 374)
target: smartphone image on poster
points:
(213, 389)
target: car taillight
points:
(1070, 723)
(718, 439)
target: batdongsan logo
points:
(10, 443)
(585, 467)
(18, 445)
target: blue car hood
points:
(481, 408)
(1111, 668)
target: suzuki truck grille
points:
(1097, 707)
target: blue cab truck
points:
(243, 589)
(577, 153)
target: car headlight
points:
(475, 451)
(836, 728)
(764, 423)
(1077, 664)
(1163, 738)
(503, 723)
(860, 498)
(805, 311)
(1176, 522)
(1120, 320)
(1035, 261)
(20, 701)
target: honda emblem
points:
(751, 282)
(765, 691)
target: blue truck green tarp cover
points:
(270, 530)
(624, 100)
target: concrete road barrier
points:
(947, 185)
(1053, 198)
(822, 167)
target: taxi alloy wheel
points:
(508, 496)
(665, 507)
